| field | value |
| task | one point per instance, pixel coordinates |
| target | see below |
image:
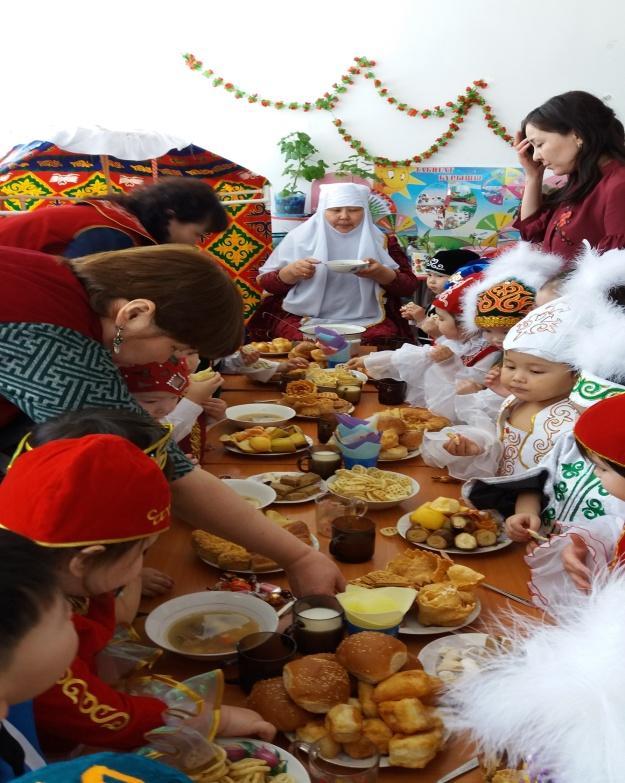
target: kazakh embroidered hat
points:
(446, 262)
(503, 304)
(171, 376)
(100, 489)
(601, 429)
(452, 299)
(544, 333)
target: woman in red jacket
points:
(577, 135)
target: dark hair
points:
(187, 199)
(28, 587)
(138, 428)
(589, 454)
(196, 301)
(600, 131)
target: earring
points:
(118, 340)
(579, 144)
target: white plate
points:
(293, 767)
(237, 414)
(230, 447)
(378, 505)
(345, 266)
(160, 620)
(412, 627)
(247, 488)
(276, 475)
(343, 758)
(314, 545)
(412, 453)
(431, 653)
(403, 525)
(344, 329)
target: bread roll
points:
(371, 656)
(316, 683)
(411, 684)
(344, 723)
(416, 751)
(270, 699)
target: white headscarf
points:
(329, 296)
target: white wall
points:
(118, 64)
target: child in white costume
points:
(531, 419)
(564, 487)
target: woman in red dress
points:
(577, 135)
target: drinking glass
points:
(329, 507)
(391, 392)
(353, 539)
(317, 624)
(322, 460)
(324, 770)
(263, 655)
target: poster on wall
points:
(433, 208)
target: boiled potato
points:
(260, 443)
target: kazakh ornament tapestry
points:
(41, 174)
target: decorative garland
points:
(458, 109)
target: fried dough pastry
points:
(408, 716)
(415, 751)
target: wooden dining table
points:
(173, 554)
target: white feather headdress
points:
(597, 341)
(523, 262)
(559, 697)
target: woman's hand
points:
(376, 271)
(460, 446)
(413, 312)
(241, 722)
(533, 169)
(303, 269)
(518, 524)
(574, 562)
(314, 573)
(440, 353)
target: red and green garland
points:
(457, 109)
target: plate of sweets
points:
(446, 599)
(292, 487)
(228, 556)
(445, 524)
(279, 346)
(310, 403)
(403, 429)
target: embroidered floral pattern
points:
(572, 469)
(593, 509)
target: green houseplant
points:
(298, 152)
(355, 166)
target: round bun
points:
(270, 699)
(372, 656)
(316, 683)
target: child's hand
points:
(154, 582)
(430, 327)
(518, 524)
(293, 364)
(440, 353)
(241, 722)
(192, 459)
(574, 562)
(459, 446)
(413, 312)
(202, 391)
(468, 387)
(357, 363)
(249, 356)
(492, 381)
(215, 408)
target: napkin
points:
(358, 441)
(334, 345)
(381, 607)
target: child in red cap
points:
(96, 503)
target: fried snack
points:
(444, 604)
(315, 731)
(365, 697)
(381, 578)
(420, 567)
(464, 577)
(371, 484)
(388, 421)
(331, 377)
(389, 439)
(413, 683)
(344, 723)
(264, 440)
(302, 350)
(407, 716)
(376, 731)
(300, 388)
(414, 752)
(411, 439)
(277, 345)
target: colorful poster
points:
(436, 207)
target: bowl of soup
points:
(259, 414)
(207, 626)
(257, 494)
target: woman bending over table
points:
(305, 290)
(67, 325)
(577, 135)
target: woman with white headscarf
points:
(306, 290)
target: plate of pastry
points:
(267, 441)
(402, 431)
(310, 403)
(455, 605)
(293, 487)
(228, 556)
(279, 346)
(446, 525)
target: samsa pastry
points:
(463, 577)
(444, 604)
(415, 751)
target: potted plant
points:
(355, 166)
(298, 152)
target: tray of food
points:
(378, 488)
(267, 441)
(446, 524)
(309, 403)
(228, 556)
(292, 486)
